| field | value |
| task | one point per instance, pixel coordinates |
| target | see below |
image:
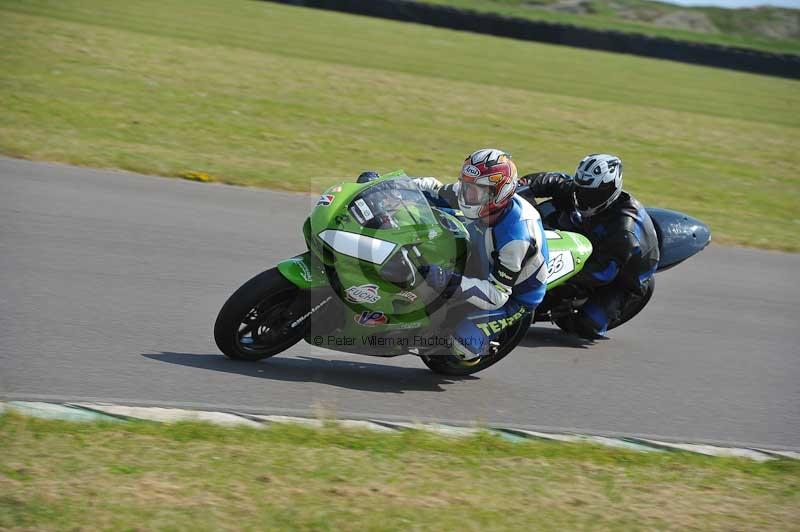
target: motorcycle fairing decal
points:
(371, 318)
(365, 293)
(358, 246)
(366, 212)
(305, 316)
(561, 263)
(304, 270)
(325, 199)
(411, 296)
(301, 272)
(359, 217)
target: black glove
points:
(441, 280)
(548, 184)
(526, 180)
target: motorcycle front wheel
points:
(261, 318)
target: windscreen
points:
(392, 204)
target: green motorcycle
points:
(358, 288)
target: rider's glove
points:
(441, 280)
(548, 184)
(431, 185)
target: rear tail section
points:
(679, 236)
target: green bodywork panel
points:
(302, 272)
(568, 254)
(404, 308)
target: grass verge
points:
(263, 94)
(140, 475)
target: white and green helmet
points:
(598, 183)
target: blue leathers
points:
(510, 274)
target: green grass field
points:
(57, 475)
(263, 94)
(746, 28)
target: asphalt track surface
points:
(110, 283)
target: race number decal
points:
(559, 265)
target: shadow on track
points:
(362, 376)
(551, 337)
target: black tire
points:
(565, 324)
(451, 365)
(633, 306)
(267, 304)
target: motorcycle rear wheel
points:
(255, 322)
(633, 307)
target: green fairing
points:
(575, 245)
(302, 272)
(436, 244)
(444, 241)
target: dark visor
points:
(589, 198)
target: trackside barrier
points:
(745, 59)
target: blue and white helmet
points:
(598, 183)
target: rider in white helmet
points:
(625, 245)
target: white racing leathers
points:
(513, 257)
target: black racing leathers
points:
(625, 246)
(624, 240)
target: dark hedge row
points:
(784, 65)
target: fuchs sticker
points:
(471, 170)
(325, 199)
(370, 318)
(411, 296)
(337, 188)
(365, 293)
(365, 210)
